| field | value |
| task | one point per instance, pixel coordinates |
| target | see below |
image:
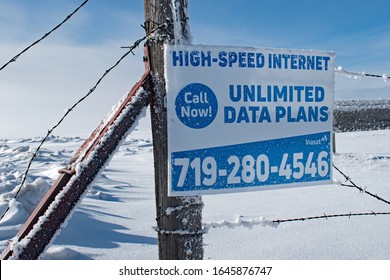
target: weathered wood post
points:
(179, 219)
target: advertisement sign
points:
(243, 119)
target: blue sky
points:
(35, 90)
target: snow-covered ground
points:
(116, 218)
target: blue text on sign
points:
(244, 59)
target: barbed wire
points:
(353, 185)
(324, 216)
(358, 75)
(262, 221)
(241, 221)
(50, 131)
(362, 190)
(44, 36)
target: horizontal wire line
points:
(360, 74)
(332, 216)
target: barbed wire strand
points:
(249, 223)
(362, 190)
(340, 70)
(44, 36)
(372, 213)
(49, 132)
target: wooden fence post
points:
(179, 219)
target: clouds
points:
(12, 20)
(35, 90)
(53, 75)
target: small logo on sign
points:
(311, 142)
(196, 105)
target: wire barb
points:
(361, 190)
(349, 215)
(44, 36)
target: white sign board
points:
(247, 118)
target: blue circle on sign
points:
(196, 105)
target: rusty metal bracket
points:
(65, 193)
